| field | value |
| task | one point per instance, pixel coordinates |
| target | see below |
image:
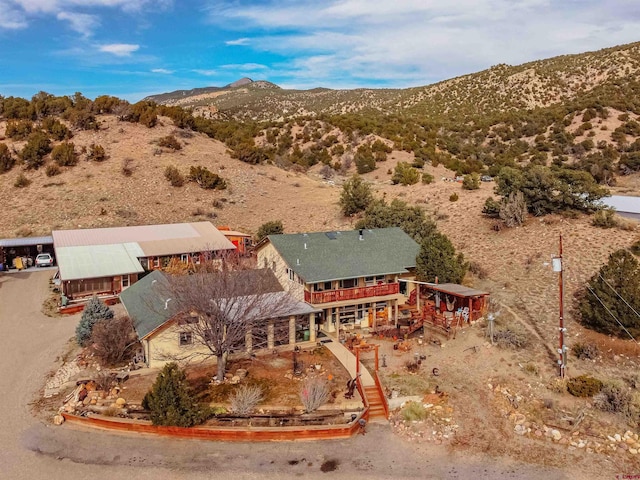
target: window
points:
(292, 274)
(349, 283)
(156, 262)
(323, 286)
(125, 281)
(273, 266)
(186, 338)
(196, 258)
(374, 280)
(184, 258)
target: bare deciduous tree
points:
(219, 309)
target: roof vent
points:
(297, 261)
(305, 245)
(360, 232)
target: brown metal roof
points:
(457, 290)
(154, 240)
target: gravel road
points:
(32, 449)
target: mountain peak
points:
(240, 83)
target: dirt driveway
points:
(33, 449)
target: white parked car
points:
(44, 260)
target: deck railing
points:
(351, 293)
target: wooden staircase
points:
(376, 403)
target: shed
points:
(29, 247)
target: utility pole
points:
(562, 348)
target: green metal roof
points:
(149, 303)
(326, 256)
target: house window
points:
(125, 281)
(292, 274)
(196, 258)
(349, 283)
(374, 280)
(186, 338)
(273, 265)
(323, 286)
(156, 262)
(184, 258)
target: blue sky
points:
(133, 48)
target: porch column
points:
(418, 295)
(470, 309)
(292, 330)
(312, 327)
(248, 340)
(396, 310)
(270, 332)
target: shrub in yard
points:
(170, 142)
(453, 197)
(405, 174)
(93, 312)
(52, 170)
(314, 393)
(19, 129)
(206, 178)
(413, 412)
(64, 154)
(171, 173)
(113, 340)
(21, 181)
(585, 351)
(635, 248)
(33, 153)
(427, 178)
(96, 153)
(7, 161)
(583, 386)
(616, 398)
(471, 182)
(170, 400)
(273, 227)
(56, 129)
(605, 218)
(491, 208)
(245, 399)
(510, 338)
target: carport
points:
(27, 247)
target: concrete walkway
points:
(348, 359)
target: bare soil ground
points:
(516, 261)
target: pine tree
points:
(601, 301)
(93, 312)
(170, 401)
(437, 258)
(356, 195)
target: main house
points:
(356, 278)
(167, 334)
(105, 261)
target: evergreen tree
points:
(437, 258)
(621, 274)
(411, 219)
(273, 227)
(93, 312)
(356, 195)
(170, 400)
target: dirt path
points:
(32, 449)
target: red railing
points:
(351, 293)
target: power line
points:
(620, 296)
(610, 313)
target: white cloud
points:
(207, 73)
(245, 66)
(82, 23)
(119, 49)
(421, 41)
(10, 18)
(239, 41)
(162, 70)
